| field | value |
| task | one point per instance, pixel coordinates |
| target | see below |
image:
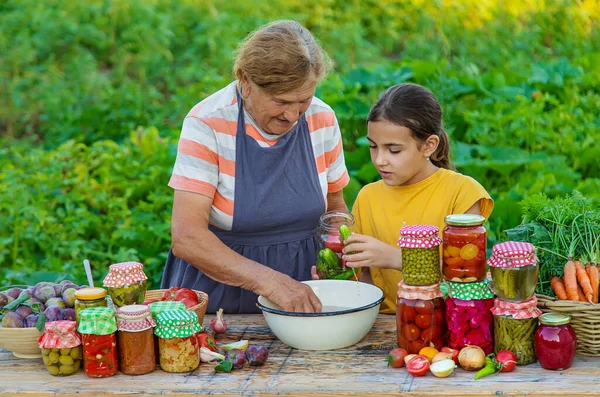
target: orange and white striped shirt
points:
(206, 152)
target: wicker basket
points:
(199, 309)
(585, 319)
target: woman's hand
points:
(367, 251)
(291, 295)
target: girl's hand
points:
(370, 252)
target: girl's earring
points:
(427, 158)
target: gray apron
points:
(277, 205)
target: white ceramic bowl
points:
(349, 311)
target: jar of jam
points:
(98, 333)
(178, 340)
(469, 315)
(135, 340)
(126, 283)
(155, 309)
(329, 262)
(555, 341)
(89, 297)
(420, 254)
(514, 328)
(61, 347)
(464, 254)
(514, 270)
(420, 317)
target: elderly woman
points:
(258, 163)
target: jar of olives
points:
(89, 297)
(126, 283)
(61, 347)
(420, 254)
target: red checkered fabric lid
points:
(520, 311)
(134, 318)
(60, 335)
(419, 236)
(125, 273)
(423, 292)
(512, 254)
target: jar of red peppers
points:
(514, 270)
(98, 329)
(420, 254)
(329, 262)
(178, 340)
(555, 341)
(464, 239)
(469, 316)
(61, 347)
(420, 317)
(155, 309)
(135, 340)
(126, 283)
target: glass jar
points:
(464, 240)
(126, 283)
(155, 309)
(555, 341)
(135, 340)
(469, 315)
(514, 328)
(61, 347)
(178, 340)
(420, 317)
(329, 262)
(98, 333)
(514, 270)
(89, 297)
(420, 254)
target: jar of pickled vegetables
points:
(555, 341)
(135, 340)
(420, 254)
(178, 340)
(89, 297)
(464, 239)
(155, 309)
(98, 333)
(469, 315)
(331, 244)
(514, 328)
(61, 347)
(420, 317)
(126, 283)
(514, 270)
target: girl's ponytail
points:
(441, 156)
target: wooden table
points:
(357, 370)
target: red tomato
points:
(451, 272)
(451, 351)
(407, 314)
(424, 307)
(188, 302)
(508, 360)
(423, 321)
(438, 316)
(395, 358)
(415, 346)
(431, 333)
(206, 340)
(186, 293)
(438, 344)
(169, 294)
(410, 332)
(473, 263)
(334, 242)
(418, 366)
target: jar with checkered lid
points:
(514, 270)
(155, 309)
(126, 283)
(420, 254)
(135, 340)
(178, 340)
(98, 329)
(61, 347)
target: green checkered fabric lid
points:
(97, 321)
(470, 291)
(177, 324)
(159, 307)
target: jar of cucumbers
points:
(514, 270)
(61, 347)
(420, 254)
(126, 283)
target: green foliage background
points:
(94, 93)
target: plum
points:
(70, 285)
(31, 320)
(23, 311)
(14, 292)
(69, 314)
(68, 297)
(237, 357)
(43, 293)
(53, 313)
(12, 320)
(55, 302)
(3, 300)
(257, 355)
(57, 289)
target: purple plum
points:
(69, 285)
(69, 314)
(12, 320)
(23, 311)
(257, 355)
(43, 293)
(68, 297)
(3, 300)
(14, 292)
(31, 320)
(53, 313)
(57, 289)
(237, 357)
(55, 302)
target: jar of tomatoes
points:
(61, 347)
(420, 317)
(98, 329)
(420, 254)
(469, 315)
(464, 239)
(331, 244)
(514, 270)
(155, 309)
(178, 340)
(126, 283)
(555, 341)
(135, 340)
(89, 297)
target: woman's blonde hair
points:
(280, 57)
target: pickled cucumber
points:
(517, 336)
(128, 294)
(421, 266)
(515, 284)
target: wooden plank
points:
(358, 370)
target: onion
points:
(441, 356)
(471, 358)
(443, 368)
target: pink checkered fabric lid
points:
(422, 292)
(60, 335)
(512, 254)
(419, 236)
(125, 273)
(134, 318)
(519, 311)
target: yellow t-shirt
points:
(381, 210)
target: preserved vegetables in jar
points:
(420, 254)
(331, 244)
(464, 241)
(555, 341)
(98, 333)
(178, 340)
(61, 347)
(126, 283)
(469, 315)
(89, 297)
(155, 309)
(514, 270)
(420, 317)
(135, 340)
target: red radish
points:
(508, 360)
(218, 324)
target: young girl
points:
(410, 150)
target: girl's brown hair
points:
(416, 108)
(280, 57)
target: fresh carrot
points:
(584, 282)
(580, 295)
(558, 287)
(592, 272)
(570, 280)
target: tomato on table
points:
(206, 340)
(418, 366)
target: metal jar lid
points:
(554, 318)
(464, 220)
